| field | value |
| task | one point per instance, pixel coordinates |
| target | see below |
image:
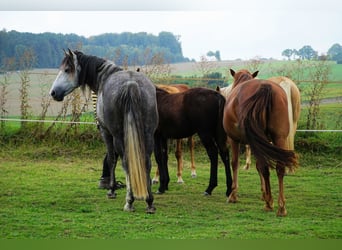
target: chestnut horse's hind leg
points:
(248, 157)
(235, 165)
(179, 158)
(281, 199)
(191, 143)
(264, 173)
(155, 179)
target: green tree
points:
(307, 52)
(217, 55)
(335, 53)
(287, 53)
(47, 47)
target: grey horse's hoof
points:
(111, 195)
(128, 208)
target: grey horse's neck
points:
(107, 69)
(94, 71)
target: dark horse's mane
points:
(93, 67)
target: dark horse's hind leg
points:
(224, 154)
(212, 152)
(161, 156)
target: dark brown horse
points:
(256, 113)
(172, 89)
(197, 110)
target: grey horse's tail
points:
(134, 139)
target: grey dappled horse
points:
(127, 115)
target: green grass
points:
(50, 192)
(329, 117)
(48, 188)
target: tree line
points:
(124, 49)
(308, 53)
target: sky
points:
(242, 29)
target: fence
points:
(41, 105)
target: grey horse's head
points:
(67, 78)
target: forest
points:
(124, 49)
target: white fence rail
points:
(93, 123)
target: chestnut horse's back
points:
(261, 114)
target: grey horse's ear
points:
(65, 53)
(70, 52)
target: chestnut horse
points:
(256, 113)
(172, 89)
(293, 100)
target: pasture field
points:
(49, 191)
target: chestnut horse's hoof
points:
(180, 180)
(282, 212)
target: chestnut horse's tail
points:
(255, 112)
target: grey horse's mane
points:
(94, 70)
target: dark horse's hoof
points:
(104, 183)
(150, 210)
(160, 192)
(206, 193)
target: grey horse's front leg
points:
(111, 161)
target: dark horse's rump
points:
(198, 110)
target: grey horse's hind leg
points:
(149, 200)
(129, 197)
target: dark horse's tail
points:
(255, 113)
(134, 139)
